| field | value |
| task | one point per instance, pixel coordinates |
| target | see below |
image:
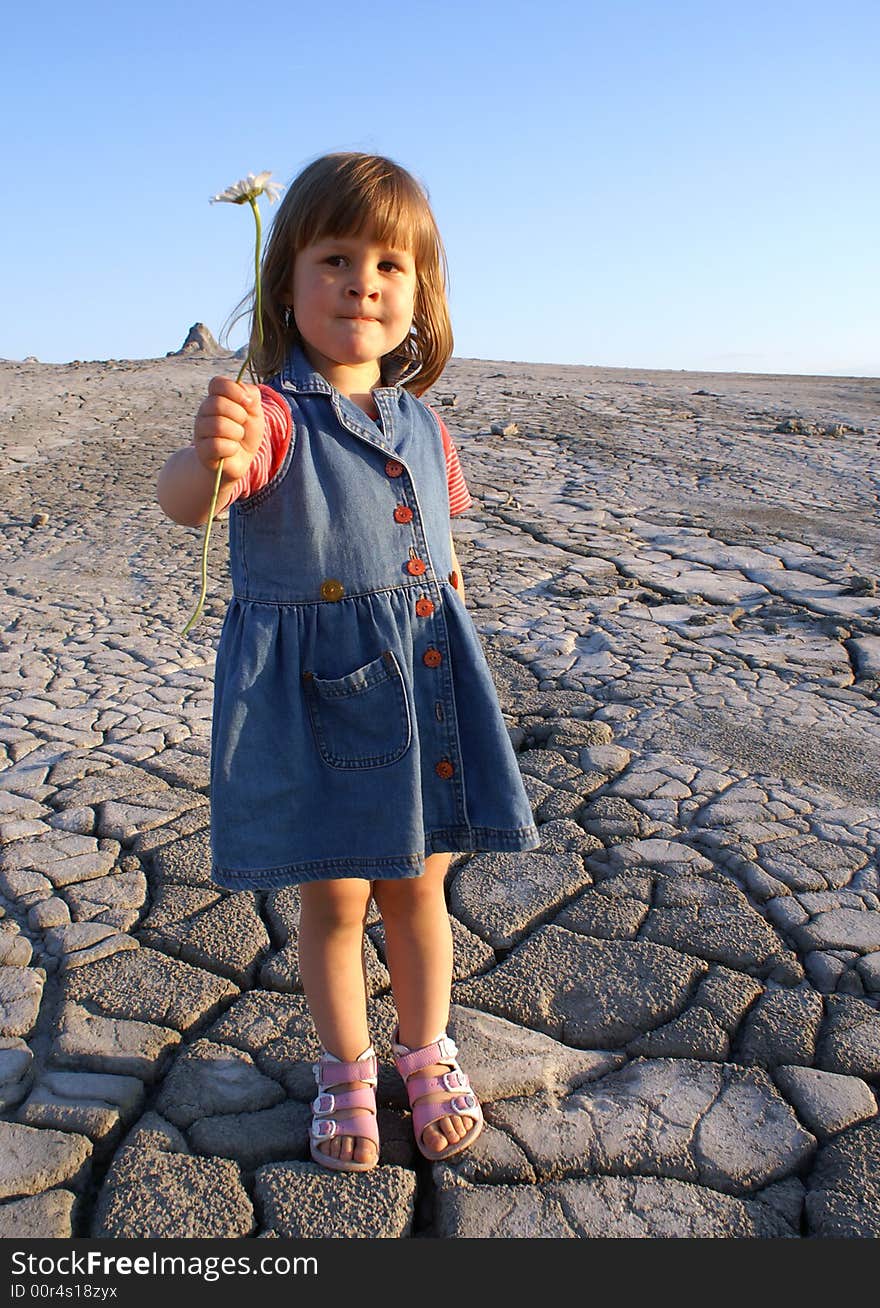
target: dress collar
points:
(299, 374)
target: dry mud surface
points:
(671, 1010)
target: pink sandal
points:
(464, 1103)
(330, 1072)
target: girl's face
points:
(352, 299)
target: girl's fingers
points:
(211, 427)
(220, 406)
(242, 393)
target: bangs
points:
(379, 203)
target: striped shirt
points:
(276, 438)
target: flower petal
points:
(248, 188)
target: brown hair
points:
(345, 195)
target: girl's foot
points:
(434, 1082)
(344, 1135)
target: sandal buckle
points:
(453, 1080)
(324, 1103)
(324, 1129)
(462, 1102)
(447, 1047)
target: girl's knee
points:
(338, 903)
(411, 895)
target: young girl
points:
(357, 736)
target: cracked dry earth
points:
(671, 1010)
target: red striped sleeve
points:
(459, 495)
(270, 456)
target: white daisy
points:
(249, 188)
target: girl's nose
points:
(362, 284)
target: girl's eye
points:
(335, 259)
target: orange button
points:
(432, 658)
(444, 769)
(393, 468)
(416, 567)
(402, 513)
(332, 589)
(453, 577)
(424, 607)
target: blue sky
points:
(653, 185)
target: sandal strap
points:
(364, 1125)
(328, 1072)
(326, 1103)
(408, 1061)
(454, 1080)
(464, 1105)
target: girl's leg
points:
(418, 944)
(331, 963)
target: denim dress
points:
(356, 728)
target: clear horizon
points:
(661, 188)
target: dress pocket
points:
(361, 720)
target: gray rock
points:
(32, 1159)
(276, 1134)
(492, 1158)
(706, 1028)
(21, 990)
(129, 821)
(843, 1200)
(185, 861)
(560, 835)
(277, 1031)
(869, 970)
(786, 1198)
(199, 340)
(589, 993)
(717, 1124)
(500, 896)
(849, 1041)
(781, 1028)
(714, 920)
(156, 1135)
(603, 1207)
(613, 818)
(605, 912)
(47, 1216)
(48, 913)
(210, 1079)
(470, 955)
(90, 900)
(78, 943)
(16, 1071)
(306, 1201)
(113, 782)
(227, 936)
(150, 1196)
(552, 768)
(145, 985)
(90, 1042)
(840, 928)
(823, 970)
(826, 1102)
(79, 1112)
(504, 1059)
(15, 949)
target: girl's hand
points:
(229, 426)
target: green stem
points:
(258, 317)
